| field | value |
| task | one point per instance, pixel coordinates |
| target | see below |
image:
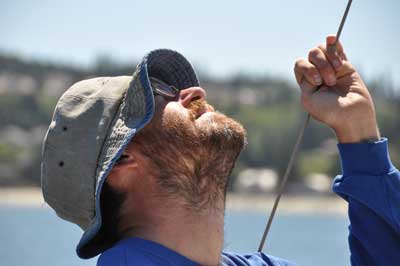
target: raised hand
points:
(333, 93)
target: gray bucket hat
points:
(93, 122)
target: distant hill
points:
(268, 108)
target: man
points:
(141, 164)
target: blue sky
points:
(219, 37)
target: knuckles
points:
(299, 63)
(322, 47)
(314, 53)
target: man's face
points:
(191, 147)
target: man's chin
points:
(221, 135)
(216, 122)
(195, 157)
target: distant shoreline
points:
(31, 197)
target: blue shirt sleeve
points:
(371, 186)
(252, 259)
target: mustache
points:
(198, 107)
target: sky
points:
(219, 37)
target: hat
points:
(93, 122)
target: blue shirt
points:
(371, 186)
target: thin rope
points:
(296, 149)
(283, 183)
(346, 12)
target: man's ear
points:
(124, 172)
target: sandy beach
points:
(31, 197)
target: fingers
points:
(331, 50)
(308, 78)
(323, 66)
(328, 58)
(334, 52)
(305, 71)
(318, 58)
(335, 47)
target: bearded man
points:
(142, 163)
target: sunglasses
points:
(161, 88)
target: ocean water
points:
(36, 237)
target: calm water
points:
(36, 237)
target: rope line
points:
(296, 148)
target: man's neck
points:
(197, 235)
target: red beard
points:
(194, 156)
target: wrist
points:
(358, 133)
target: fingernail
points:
(317, 79)
(336, 63)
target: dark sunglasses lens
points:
(161, 88)
(165, 93)
(168, 90)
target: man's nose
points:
(189, 95)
